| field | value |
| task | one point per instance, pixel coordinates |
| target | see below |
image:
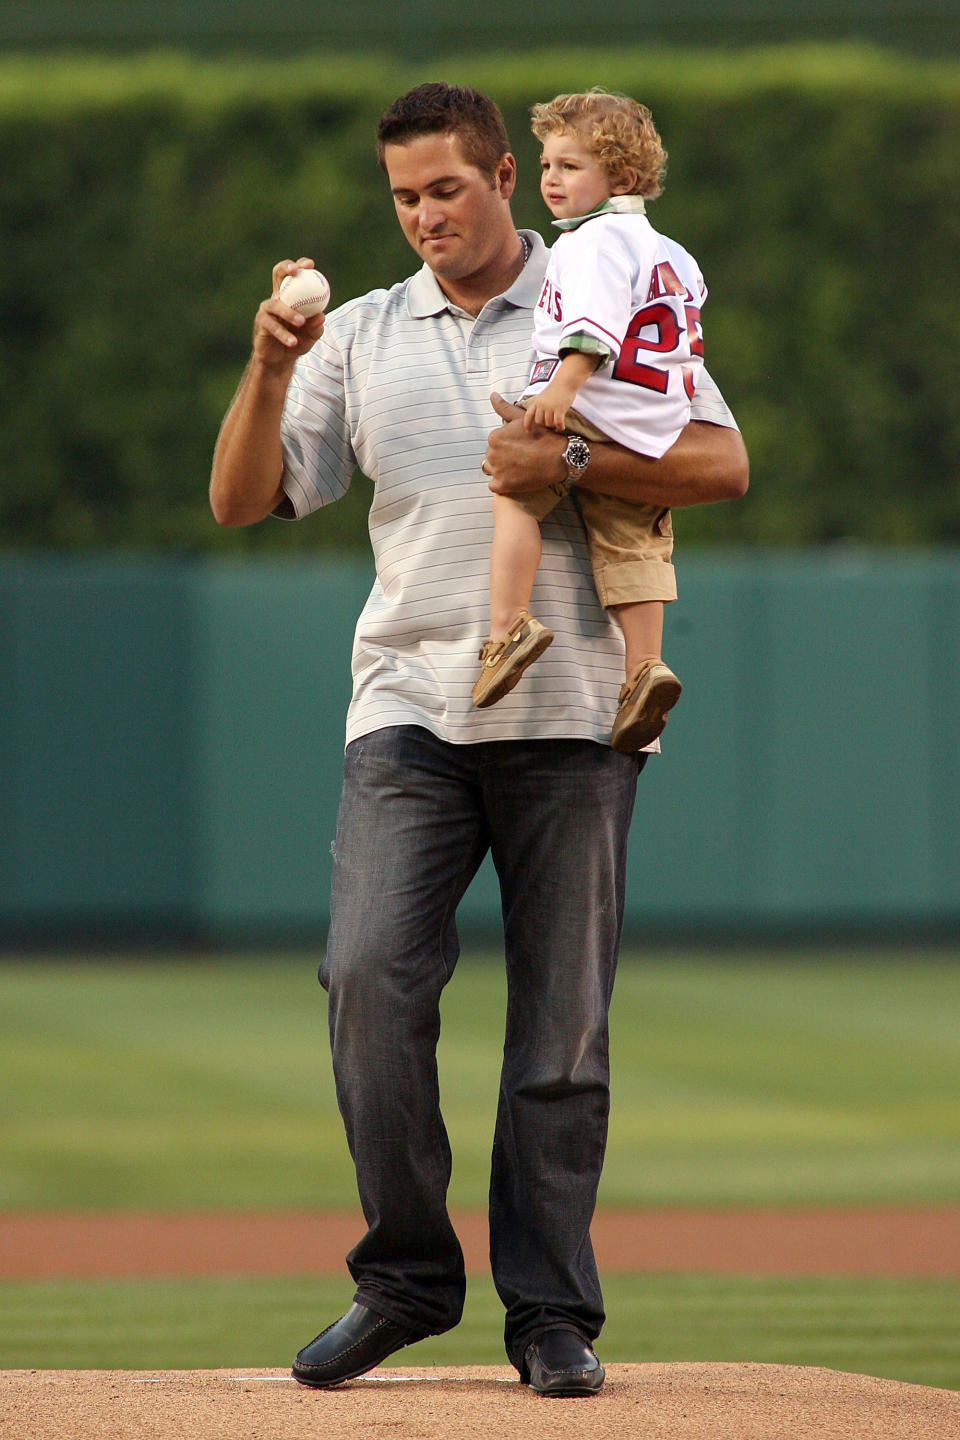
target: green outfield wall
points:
(171, 732)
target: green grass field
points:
(902, 1329)
(206, 1083)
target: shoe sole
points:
(520, 660)
(330, 1384)
(320, 1384)
(568, 1392)
(343, 1379)
(591, 1384)
(648, 721)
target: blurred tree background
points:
(157, 158)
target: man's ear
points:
(624, 183)
(506, 175)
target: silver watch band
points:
(576, 457)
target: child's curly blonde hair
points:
(617, 130)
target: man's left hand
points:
(519, 460)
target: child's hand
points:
(550, 407)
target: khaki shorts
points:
(631, 544)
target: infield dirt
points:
(876, 1241)
(638, 1402)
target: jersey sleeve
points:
(597, 276)
(586, 344)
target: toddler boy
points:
(616, 329)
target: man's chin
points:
(440, 252)
(445, 267)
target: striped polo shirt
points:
(399, 386)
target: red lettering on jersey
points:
(664, 280)
(550, 301)
(694, 329)
(671, 282)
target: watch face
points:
(577, 453)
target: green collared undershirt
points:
(614, 205)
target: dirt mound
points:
(657, 1402)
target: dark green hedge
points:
(144, 202)
(426, 29)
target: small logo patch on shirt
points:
(542, 371)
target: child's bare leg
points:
(514, 557)
(651, 689)
(642, 626)
(516, 637)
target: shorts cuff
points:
(636, 580)
(539, 503)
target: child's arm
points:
(550, 407)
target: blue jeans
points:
(417, 815)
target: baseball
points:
(306, 291)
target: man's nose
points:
(432, 216)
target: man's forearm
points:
(708, 463)
(245, 483)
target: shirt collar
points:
(615, 205)
(425, 297)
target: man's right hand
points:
(521, 457)
(246, 483)
(280, 334)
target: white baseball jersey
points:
(615, 280)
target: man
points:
(399, 384)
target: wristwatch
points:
(576, 457)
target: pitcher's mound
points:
(656, 1402)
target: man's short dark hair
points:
(439, 109)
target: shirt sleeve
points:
(318, 458)
(586, 344)
(597, 268)
(709, 405)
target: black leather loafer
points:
(558, 1362)
(351, 1346)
